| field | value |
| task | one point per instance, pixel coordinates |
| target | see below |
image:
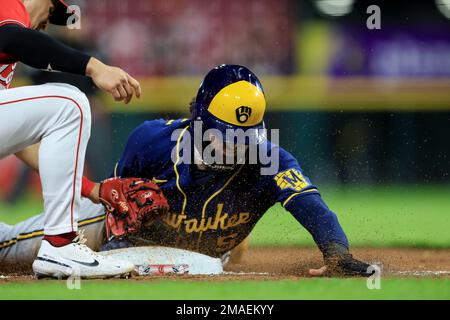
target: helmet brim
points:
(237, 134)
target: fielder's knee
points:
(79, 106)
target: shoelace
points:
(80, 238)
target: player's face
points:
(41, 14)
(230, 152)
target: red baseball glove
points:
(131, 203)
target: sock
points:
(60, 240)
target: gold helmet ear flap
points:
(240, 103)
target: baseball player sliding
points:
(213, 206)
(58, 117)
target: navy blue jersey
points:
(212, 211)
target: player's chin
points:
(43, 26)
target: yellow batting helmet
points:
(231, 97)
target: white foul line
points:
(246, 273)
(420, 273)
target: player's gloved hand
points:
(339, 262)
(131, 204)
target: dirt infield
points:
(293, 263)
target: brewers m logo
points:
(243, 113)
(291, 178)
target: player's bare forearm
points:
(90, 190)
(94, 195)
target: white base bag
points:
(164, 260)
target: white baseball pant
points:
(59, 117)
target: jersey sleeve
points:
(290, 182)
(301, 198)
(314, 215)
(14, 12)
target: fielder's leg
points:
(58, 116)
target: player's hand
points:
(349, 267)
(339, 262)
(318, 272)
(114, 80)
